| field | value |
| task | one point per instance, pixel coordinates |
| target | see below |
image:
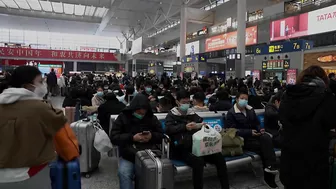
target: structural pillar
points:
(75, 66)
(134, 72)
(241, 37)
(183, 31)
(126, 67)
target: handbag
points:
(66, 143)
(101, 142)
(232, 144)
(206, 141)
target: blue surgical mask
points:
(242, 103)
(100, 93)
(184, 107)
(138, 115)
(148, 89)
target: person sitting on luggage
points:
(180, 126)
(135, 129)
(273, 127)
(28, 126)
(112, 106)
(98, 99)
(198, 102)
(243, 117)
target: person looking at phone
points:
(181, 123)
(243, 117)
(135, 129)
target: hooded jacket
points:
(175, 126)
(272, 120)
(307, 115)
(27, 127)
(127, 125)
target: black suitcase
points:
(150, 171)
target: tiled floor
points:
(106, 176)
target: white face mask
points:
(40, 90)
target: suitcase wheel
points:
(87, 175)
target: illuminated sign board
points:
(285, 47)
(275, 65)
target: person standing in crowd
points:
(62, 84)
(112, 106)
(28, 127)
(129, 91)
(52, 82)
(98, 99)
(223, 102)
(180, 126)
(198, 102)
(243, 117)
(135, 129)
(276, 84)
(307, 113)
(273, 127)
(332, 84)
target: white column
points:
(126, 67)
(75, 66)
(183, 31)
(241, 37)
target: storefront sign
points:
(326, 59)
(55, 54)
(201, 32)
(291, 76)
(311, 23)
(285, 47)
(229, 40)
(275, 65)
(194, 58)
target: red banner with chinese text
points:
(56, 54)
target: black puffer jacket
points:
(307, 114)
(112, 106)
(271, 119)
(176, 128)
(126, 126)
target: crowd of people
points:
(298, 119)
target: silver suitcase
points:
(90, 157)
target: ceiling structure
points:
(116, 18)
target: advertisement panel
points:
(191, 49)
(137, 46)
(291, 76)
(311, 23)
(229, 40)
(55, 54)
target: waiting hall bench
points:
(215, 120)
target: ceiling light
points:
(160, 3)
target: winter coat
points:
(126, 126)
(307, 114)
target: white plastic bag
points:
(206, 141)
(102, 141)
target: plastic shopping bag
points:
(206, 141)
(102, 141)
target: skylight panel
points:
(58, 7)
(79, 10)
(34, 4)
(2, 4)
(100, 12)
(22, 4)
(90, 11)
(69, 8)
(46, 6)
(10, 4)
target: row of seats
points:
(214, 119)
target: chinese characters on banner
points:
(56, 54)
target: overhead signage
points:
(327, 59)
(311, 23)
(194, 58)
(201, 32)
(191, 48)
(55, 54)
(285, 47)
(275, 65)
(229, 40)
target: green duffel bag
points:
(232, 145)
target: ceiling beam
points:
(107, 18)
(47, 15)
(95, 3)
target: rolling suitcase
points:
(150, 171)
(90, 157)
(65, 175)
